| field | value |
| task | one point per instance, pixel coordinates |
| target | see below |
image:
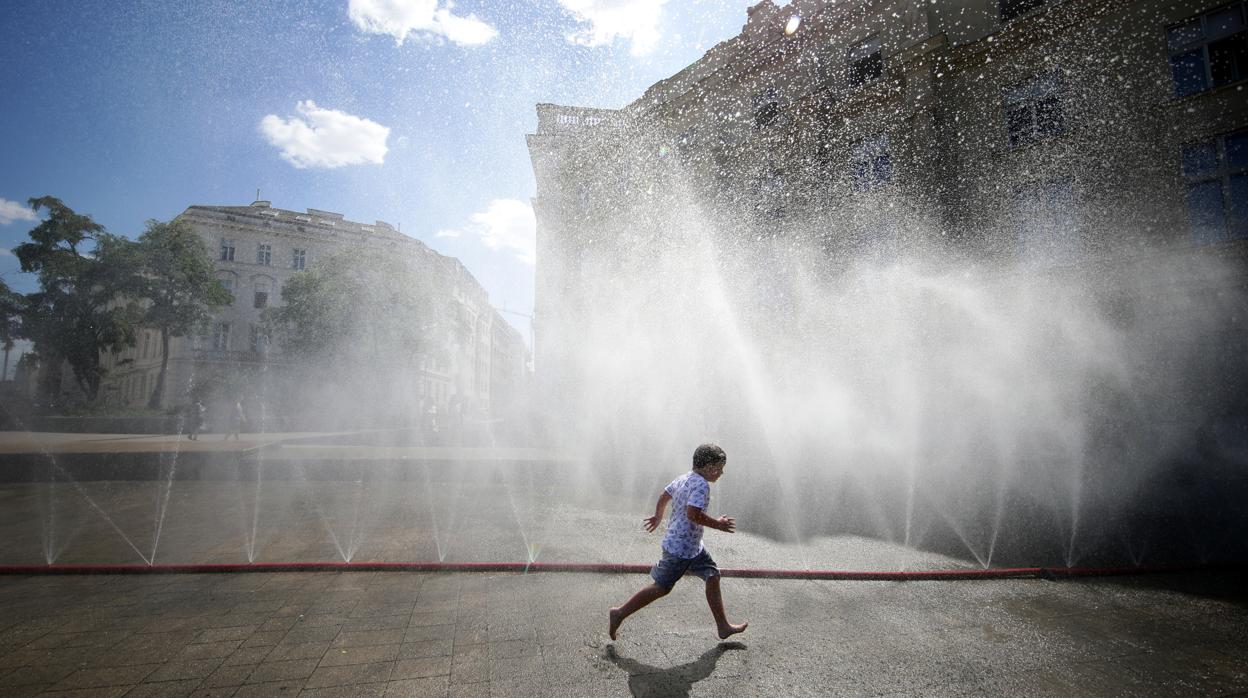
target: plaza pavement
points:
(405, 634)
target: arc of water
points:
(957, 530)
(353, 542)
(301, 472)
(442, 533)
(164, 504)
(108, 519)
(755, 388)
(50, 551)
(255, 514)
(1076, 505)
(529, 548)
(433, 512)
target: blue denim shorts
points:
(667, 571)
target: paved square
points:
(404, 634)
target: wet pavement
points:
(405, 634)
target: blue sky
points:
(408, 111)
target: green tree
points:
(177, 285)
(360, 302)
(10, 323)
(363, 317)
(80, 309)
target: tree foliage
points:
(362, 306)
(85, 303)
(10, 322)
(177, 285)
(10, 316)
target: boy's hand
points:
(650, 523)
(726, 524)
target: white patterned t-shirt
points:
(684, 537)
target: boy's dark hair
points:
(708, 454)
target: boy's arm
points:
(660, 506)
(724, 523)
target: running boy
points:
(682, 546)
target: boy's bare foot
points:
(726, 631)
(614, 615)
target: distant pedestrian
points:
(237, 421)
(198, 412)
(682, 545)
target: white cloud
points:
(633, 20)
(6, 253)
(507, 224)
(326, 138)
(398, 18)
(12, 211)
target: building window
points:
(1216, 174)
(227, 250)
(1209, 50)
(1033, 110)
(298, 259)
(227, 283)
(766, 108)
(221, 336)
(870, 163)
(1045, 218)
(264, 254)
(1013, 9)
(259, 339)
(261, 297)
(865, 62)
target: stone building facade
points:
(1068, 133)
(257, 250)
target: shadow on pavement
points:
(645, 680)
(1229, 586)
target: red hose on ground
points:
(605, 568)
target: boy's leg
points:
(716, 601)
(638, 601)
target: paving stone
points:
(187, 669)
(423, 633)
(100, 692)
(343, 656)
(422, 668)
(220, 692)
(166, 689)
(514, 648)
(105, 676)
(31, 675)
(274, 689)
(253, 655)
(515, 668)
(426, 648)
(268, 639)
(364, 638)
(25, 690)
(350, 675)
(229, 676)
(305, 650)
(372, 690)
(285, 623)
(1016, 637)
(470, 690)
(209, 650)
(282, 671)
(321, 620)
(430, 687)
(238, 632)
